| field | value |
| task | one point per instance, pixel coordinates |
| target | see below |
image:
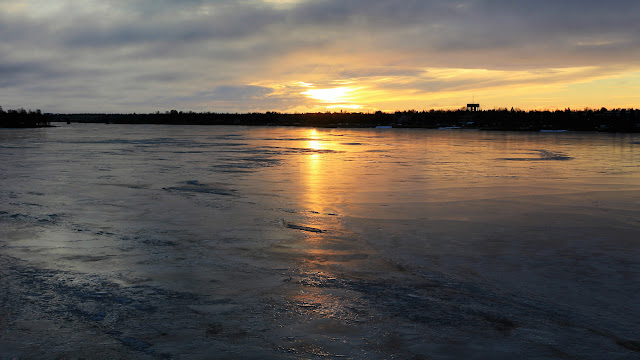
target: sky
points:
(317, 55)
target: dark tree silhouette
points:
(22, 118)
(621, 120)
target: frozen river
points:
(149, 241)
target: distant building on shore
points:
(473, 107)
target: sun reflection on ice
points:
(314, 141)
(313, 193)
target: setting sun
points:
(335, 95)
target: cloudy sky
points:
(317, 55)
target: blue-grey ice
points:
(151, 241)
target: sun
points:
(334, 95)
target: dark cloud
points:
(380, 71)
(19, 73)
(238, 92)
(229, 98)
(228, 25)
(496, 26)
(410, 26)
(161, 77)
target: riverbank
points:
(619, 120)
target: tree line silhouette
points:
(615, 120)
(22, 118)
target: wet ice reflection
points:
(299, 242)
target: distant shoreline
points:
(603, 120)
(22, 118)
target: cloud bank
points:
(254, 55)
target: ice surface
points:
(147, 241)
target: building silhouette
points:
(473, 107)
